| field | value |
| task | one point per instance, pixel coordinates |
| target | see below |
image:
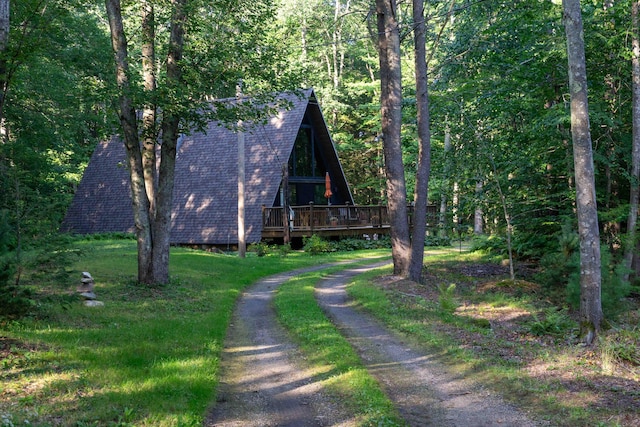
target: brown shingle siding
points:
(205, 192)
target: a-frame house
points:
(205, 203)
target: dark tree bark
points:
(590, 272)
(391, 118)
(424, 144)
(170, 132)
(5, 15)
(152, 219)
(129, 124)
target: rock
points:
(88, 295)
(86, 287)
(93, 303)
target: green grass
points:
(149, 357)
(477, 353)
(326, 350)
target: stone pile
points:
(86, 290)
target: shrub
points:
(284, 250)
(15, 301)
(559, 265)
(555, 322)
(315, 245)
(618, 347)
(355, 244)
(261, 249)
(613, 288)
(493, 244)
(446, 298)
(437, 241)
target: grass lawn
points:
(149, 357)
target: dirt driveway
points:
(262, 384)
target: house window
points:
(306, 158)
(307, 167)
(302, 159)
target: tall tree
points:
(129, 124)
(206, 47)
(424, 143)
(391, 120)
(5, 16)
(54, 89)
(590, 273)
(152, 215)
(634, 191)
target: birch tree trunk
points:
(424, 144)
(391, 119)
(443, 223)
(590, 272)
(632, 221)
(478, 215)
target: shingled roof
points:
(206, 181)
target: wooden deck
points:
(331, 221)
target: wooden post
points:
(311, 218)
(242, 243)
(286, 235)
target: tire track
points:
(424, 392)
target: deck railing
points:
(311, 218)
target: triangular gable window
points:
(306, 159)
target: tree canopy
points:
(498, 89)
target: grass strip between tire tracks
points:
(326, 350)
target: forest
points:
(501, 169)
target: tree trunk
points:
(391, 120)
(590, 272)
(424, 144)
(170, 131)
(5, 16)
(151, 202)
(478, 216)
(635, 157)
(443, 223)
(128, 121)
(149, 134)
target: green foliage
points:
(491, 244)
(614, 289)
(619, 346)
(446, 297)
(284, 250)
(56, 102)
(554, 322)
(316, 245)
(354, 244)
(434, 241)
(15, 301)
(561, 263)
(260, 249)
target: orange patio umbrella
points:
(327, 185)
